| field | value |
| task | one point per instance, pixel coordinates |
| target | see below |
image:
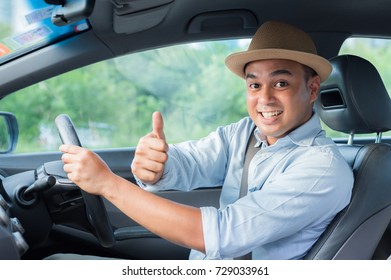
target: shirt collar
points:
(304, 135)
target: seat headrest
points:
(354, 99)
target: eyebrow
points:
(272, 74)
(250, 76)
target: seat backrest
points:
(354, 100)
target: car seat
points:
(354, 100)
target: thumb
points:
(157, 125)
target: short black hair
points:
(308, 72)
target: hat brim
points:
(237, 61)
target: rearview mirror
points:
(70, 11)
(8, 132)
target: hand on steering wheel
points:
(95, 209)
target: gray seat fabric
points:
(344, 106)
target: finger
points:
(148, 176)
(68, 168)
(71, 149)
(150, 142)
(148, 164)
(69, 158)
(157, 153)
(158, 125)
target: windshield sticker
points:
(81, 27)
(39, 15)
(4, 50)
(33, 35)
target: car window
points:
(111, 102)
(375, 50)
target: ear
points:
(314, 87)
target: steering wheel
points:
(95, 209)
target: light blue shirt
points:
(295, 188)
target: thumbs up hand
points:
(151, 153)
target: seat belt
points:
(251, 150)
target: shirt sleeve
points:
(195, 164)
(308, 193)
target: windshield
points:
(26, 25)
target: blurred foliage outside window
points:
(111, 102)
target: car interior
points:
(51, 217)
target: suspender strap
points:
(251, 150)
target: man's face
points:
(279, 99)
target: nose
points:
(265, 96)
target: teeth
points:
(271, 114)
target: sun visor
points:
(131, 16)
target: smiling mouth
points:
(268, 115)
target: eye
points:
(281, 84)
(254, 86)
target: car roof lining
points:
(203, 20)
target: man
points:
(297, 180)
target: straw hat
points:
(276, 40)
